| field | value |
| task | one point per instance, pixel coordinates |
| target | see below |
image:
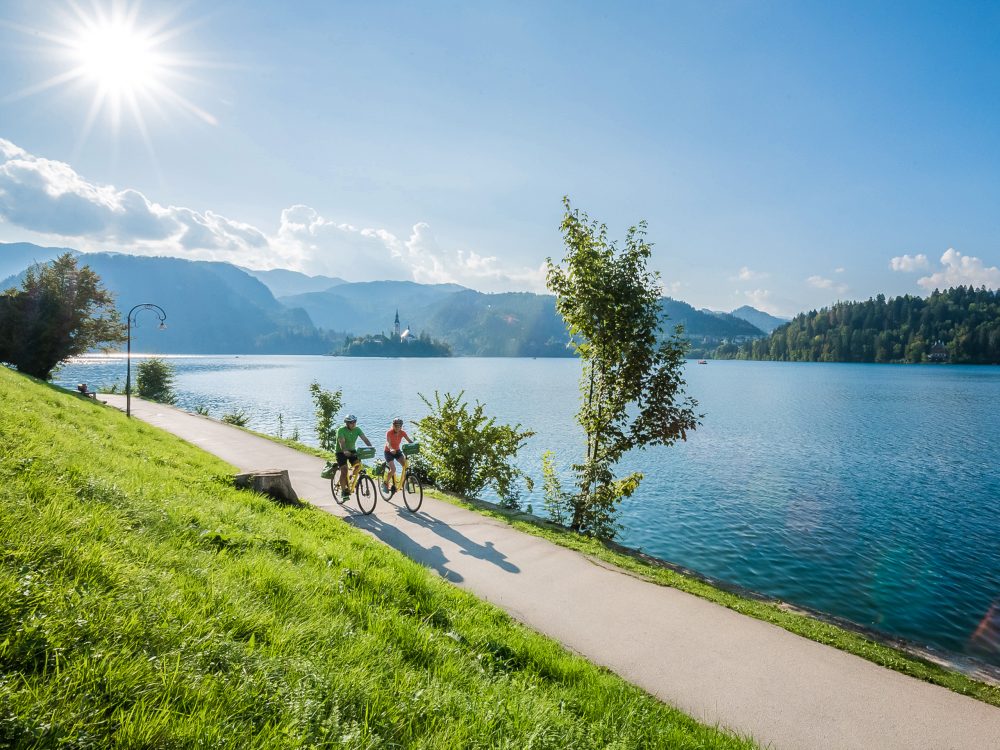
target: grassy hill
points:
(146, 603)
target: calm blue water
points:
(871, 492)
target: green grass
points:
(796, 622)
(145, 603)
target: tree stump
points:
(271, 482)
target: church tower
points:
(395, 327)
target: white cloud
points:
(50, 198)
(745, 274)
(821, 283)
(761, 299)
(961, 270)
(839, 270)
(908, 262)
(430, 264)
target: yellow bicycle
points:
(358, 483)
(409, 483)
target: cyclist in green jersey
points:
(347, 439)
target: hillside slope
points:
(17, 256)
(146, 603)
(283, 282)
(212, 308)
(959, 325)
(762, 320)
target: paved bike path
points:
(719, 666)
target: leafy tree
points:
(154, 381)
(632, 384)
(60, 311)
(327, 403)
(468, 451)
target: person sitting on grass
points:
(392, 451)
(347, 438)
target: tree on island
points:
(380, 345)
(60, 311)
(632, 384)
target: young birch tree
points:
(632, 383)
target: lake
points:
(871, 492)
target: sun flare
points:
(125, 66)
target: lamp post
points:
(128, 356)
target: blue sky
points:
(784, 154)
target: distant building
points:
(395, 327)
(938, 353)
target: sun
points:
(119, 59)
(122, 61)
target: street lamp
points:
(128, 357)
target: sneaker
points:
(392, 491)
(345, 495)
(385, 487)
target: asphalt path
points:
(720, 667)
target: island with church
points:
(399, 343)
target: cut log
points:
(271, 482)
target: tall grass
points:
(145, 603)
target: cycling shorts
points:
(343, 458)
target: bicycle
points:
(358, 483)
(409, 483)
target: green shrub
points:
(468, 451)
(327, 405)
(238, 418)
(558, 503)
(154, 381)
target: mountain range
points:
(284, 283)
(762, 320)
(220, 308)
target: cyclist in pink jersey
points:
(392, 452)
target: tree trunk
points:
(271, 482)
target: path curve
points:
(718, 666)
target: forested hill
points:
(966, 322)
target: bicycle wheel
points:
(413, 492)
(385, 493)
(335, 487)
(366, 494)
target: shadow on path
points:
(486, 552)
(432, 557)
